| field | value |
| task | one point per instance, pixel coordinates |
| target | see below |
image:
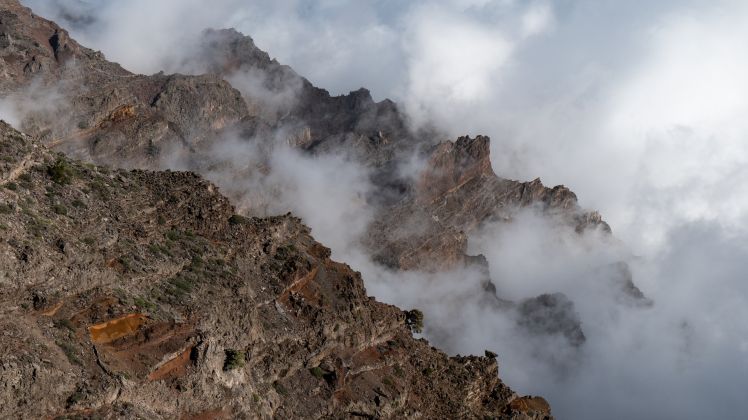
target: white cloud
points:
(451, 61)
(537, 19)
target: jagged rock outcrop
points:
(317, 121)
(135, 121)
(36, 50)
(551, 314)
(80, 94)
(142, 294)
(456, 193)
(93, 109)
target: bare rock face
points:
(134, 121)
(317, 121)
(35, 49)
(551, 314)
(456, 193)
(142, 294)
(90, 108)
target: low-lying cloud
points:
(639, 107)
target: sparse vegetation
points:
(238, 220)
(399, 372)
(11, 186)
(75, 397)
(181, 285)
(6, 208)
(235, 359)
(60, 209)
(36, 225)
(157, 249)
(65, 323)
(69, 351)
(280, 388)
(100, 188)
(197, 261)
(61, 172)
(285, 251)
(144, 303)
(173, 235)
(121, 294)
(125, 262)
(317, 372)
(414, 320)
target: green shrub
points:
(238, 220)
(155, 249)
(6, 208)
(197, 261)
(101, 189)
(143, 303)
(317, 372)
(125, 262)
(75, 398)
(69, 351)
(235, 359)
(60, 209)
(399, 371)
(11, 186)
(182, 284)
(414, 320)
(65, 323)
(280, 388)
(173, 235)
(61, 172)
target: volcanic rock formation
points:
(178, 306)
(142, 295)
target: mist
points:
(638, 107)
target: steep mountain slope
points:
(91, 108)
(113, 117)
(73, 100)
(141, 295)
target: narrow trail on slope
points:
(22, 167)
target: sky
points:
(638, 106)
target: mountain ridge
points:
(96, 111)
(181, 308)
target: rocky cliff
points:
(141, 293)
(132, 294)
